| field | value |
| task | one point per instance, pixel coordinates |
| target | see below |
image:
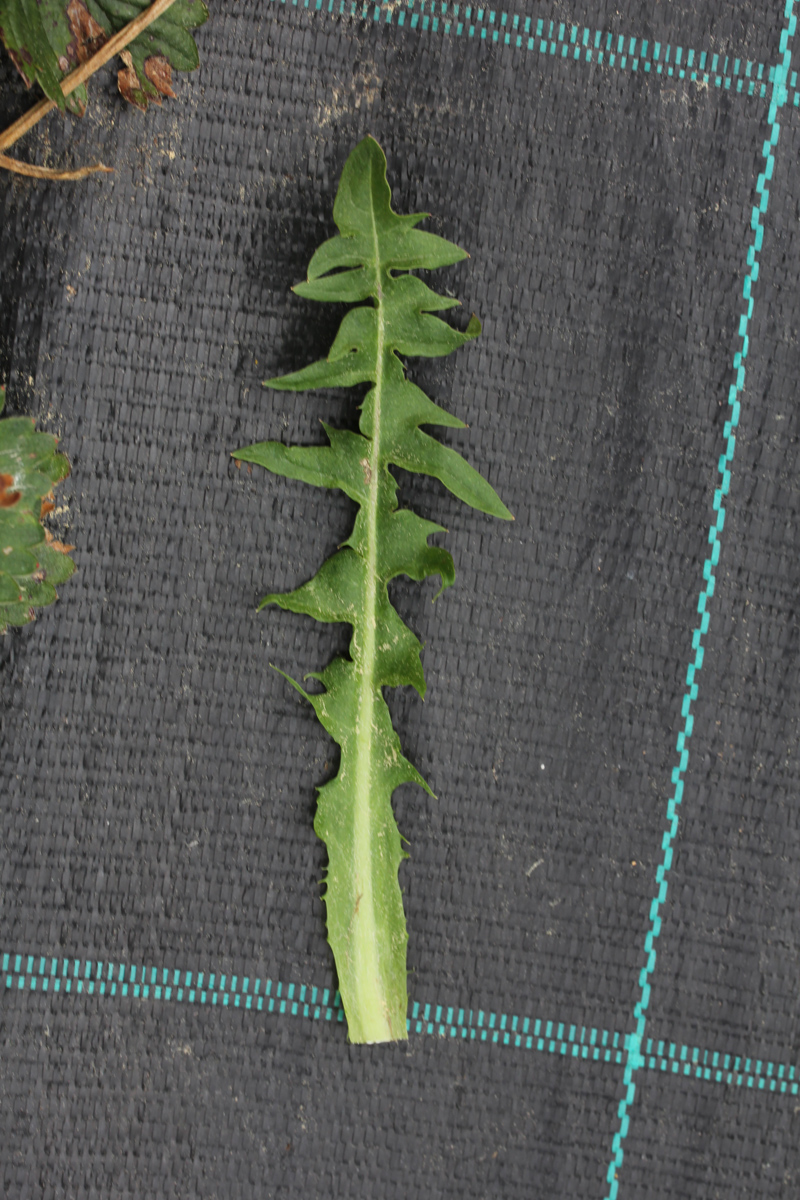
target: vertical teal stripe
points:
(635, 1060)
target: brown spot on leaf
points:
(62, 547)
(76, 106)
(63, 63)
(8, 498)
(47, 507)
(159, 72)
(88, 35)
(129, 85)
(21, 59)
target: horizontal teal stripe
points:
(83, 977)
(72, 976)
(564, 39)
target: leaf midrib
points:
(365, 936)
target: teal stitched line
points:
(635, 1059)
(563, 39)
(49, 976)
(86, 977)
(713, 1066)
(54, 976)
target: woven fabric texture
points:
(603, 900)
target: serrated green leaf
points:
(18, 562)
(21, 529)
(55, 563)
(10, 591)
(37, 593)
(17, 614)
(32, 565)
(338, 465)
(371, 258)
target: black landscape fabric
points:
(603, 899)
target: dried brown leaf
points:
(89, 36)
(129, 84)
(159, 72)
(62, 547)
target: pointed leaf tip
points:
(297, 687)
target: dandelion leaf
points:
(368, 264)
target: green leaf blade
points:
(34, 34)
(347, 372)
(367, 264)
(404, 550)
(338, 465)
(366, 923)
(422, 454)
(348, 287)
(55, 564)
(332, 595)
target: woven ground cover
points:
(603, 899)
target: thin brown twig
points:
(34, 172)
(68, 84)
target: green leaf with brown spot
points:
(48, 38)
(32, 563)
(165, 46)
